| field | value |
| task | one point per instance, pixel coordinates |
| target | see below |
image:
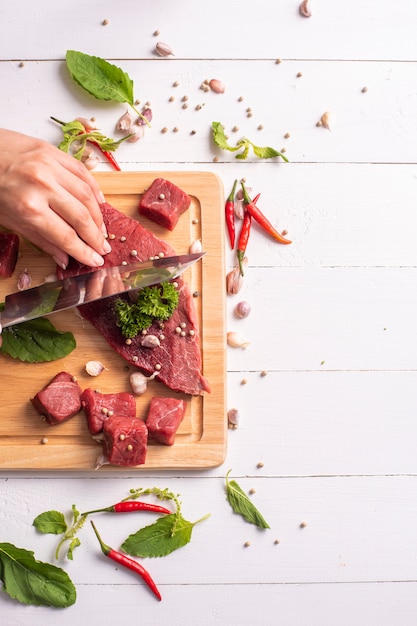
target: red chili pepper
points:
(243, 239)
(128, 506)
(250, 206)
(230, 215)
(109, 155)
(127, 562)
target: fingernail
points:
(97, 260)
(106, 247)
(61, 264)
(101, 197)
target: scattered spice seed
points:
(264, 373)
(171, 99)
(235, 129)
(164, 130)
(287, 135)
(276, 542)
(44, 440)
(22, 64)
(299, 74)
(240, 99)
(250, 114)
(175, 84)
(193, 132)
(364, 89)
(252, 491)
(175, 129)
(156, 33)
(303, 524)
(244, 381)
(260, 127)
(105, 22)
(246, 544)
(196, 294)
(325, 120)
(260, 464)
(278, 61)
(215, 159)
(185, 105)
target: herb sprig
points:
(242, 504)
(157, 302)
(244, 145)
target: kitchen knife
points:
(101, 283)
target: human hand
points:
(51, 199)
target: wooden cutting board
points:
(28, 442)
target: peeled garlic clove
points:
(217, 85)
(234, 340)
(136, 132)
(234, 279)
(88, 124)
(163, 49)
(92, 162)
(139, 382)
(150, 341)
(94, 368)
(196, 247)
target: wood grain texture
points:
(201, 438)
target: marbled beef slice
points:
(164, 418)
(99, 406)
(9, 249)
(164, 203)
(178, 355)
(125, 440)
(60, 399)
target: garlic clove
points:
(242, 309)
(88, 124)
(94, 368)
(125, 122)
(24, 280)
(150, 341)
(163, 49)
(146, 117)
(304, 8)
(234, 279)
(196, 247)
(136, 132)
(235, 340)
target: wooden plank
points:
(201, 440)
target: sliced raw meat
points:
(178, 358)
(164, 417)
(100, 406)
(9, 248)
(125, 440)
(163, 203)
(60, 399)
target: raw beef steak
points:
(178, 358)
(163, 203)
(9, 248)
(100, 406)
(164, 417)
(125, 440)
(60, 399)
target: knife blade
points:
(77, 290)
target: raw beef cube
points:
(9, 248)
(100, 406)
(125, 440)
(60, 399)
(163, 203)
(164, 417)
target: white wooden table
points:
(333, 318)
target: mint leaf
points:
(242, 504)
(33, 582)
(36, 341)
(50, 522)
(100, 78)
(167, 534)
(267, 153)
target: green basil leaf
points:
(34, 582)
(219, 137)
(100, 78)
(36, 341)
(167, 534)
(242, 504)
(50, 522)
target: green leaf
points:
(267, 153)
(74, 544)
(33, 582)
(242, 504)
(36, 341)
(50, 522)
(167, 534)
(100, 78)
(219, 137)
